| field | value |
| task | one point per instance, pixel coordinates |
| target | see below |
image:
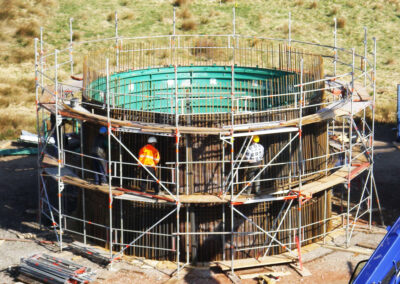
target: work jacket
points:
(100, 146)
(149, 156)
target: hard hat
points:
(103, 130)
(256, 139)
(152, 139)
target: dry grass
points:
(350, 4)
(284, 28)
(204, 20)
(22, 55)
(377, 6)
(19, 24)
(214, 13)
(111, 17)
(390, 61)
(313, 5)
(12, 121)
(341, 23)
(333, 11)
(205, 49)
(76, 36)
(188, 25)
(184, 13)
(128, 16)
(299, 2)
(28, 30)
(180, 3)
(385, 111)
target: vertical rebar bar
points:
(83, 189)
(327, 147)
(325, 209)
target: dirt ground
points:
(18, 204)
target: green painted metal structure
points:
(201, 89)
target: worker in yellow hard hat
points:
(254, 156)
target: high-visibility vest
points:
(149, 156)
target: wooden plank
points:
(302, 271)
(340, 176)
(336, 109)
(49, 161)
(252, 262)
(233, 278)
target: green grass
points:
(311, 21)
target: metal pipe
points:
(365, 57)
(116, 41)
(109, 170)
(350, 153)
(334, 46)
(300, 159)
(290, 40)
(38, 135)
(373, 140)
(58, 119)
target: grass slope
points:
(312, 21)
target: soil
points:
(18, 205)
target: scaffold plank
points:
(252, 262)
(334, 110)
(338, 177)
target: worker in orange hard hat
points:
(149, 157)
(254, 156)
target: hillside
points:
(312, 21)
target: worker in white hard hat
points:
(254, 156)
(149, 157)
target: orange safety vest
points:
(149, 156)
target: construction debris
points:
(53, 270)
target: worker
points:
(254, 156)
(149, 157)
(99, 152)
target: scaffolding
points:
(343, 111)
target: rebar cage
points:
(204, 98)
